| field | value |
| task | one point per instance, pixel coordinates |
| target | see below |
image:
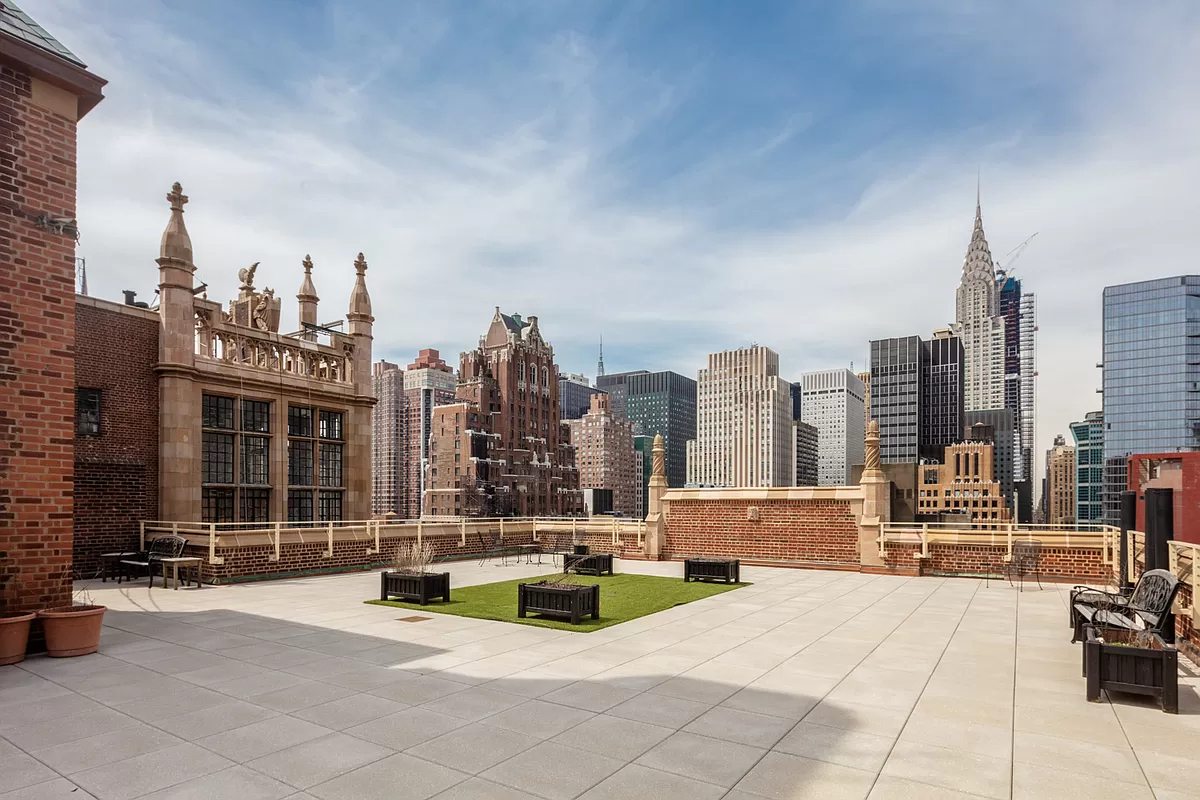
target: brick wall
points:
(37, 333)
(1076, 564)
(308, 558)
(816, 531)
(116, 472)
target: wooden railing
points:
(214, 535)
(1088, 536)
(1182, 560)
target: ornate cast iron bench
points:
(1147, 609)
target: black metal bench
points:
(160, 548)
(1147, 609)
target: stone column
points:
(656, 527)
(876, 508)
(358, 421)
(179, 399)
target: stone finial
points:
(307, 290)
(176, 245)
(360, 299)
(871, 464)
(659, 466)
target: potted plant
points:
(1139, 662)
(559, 596)
(410, 578)
(14, 626)
(73, 630)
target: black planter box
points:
(579, 549)
(569, 602)
(594, 564)
(1112, 665)
(712, 569)
(418, 588)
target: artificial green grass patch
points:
(622, 598)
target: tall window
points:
(315, 457)
(87, 412)
(235, 452)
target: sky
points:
(679, 176)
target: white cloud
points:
(505, 188)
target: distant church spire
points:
(600, 363)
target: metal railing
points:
(214, 535)
(1086, 536)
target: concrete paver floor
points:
(807, 684)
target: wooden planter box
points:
(1121, 664)
(417, 588)
(580, 549)
(568, 602)
(728, 570)
(594, 564)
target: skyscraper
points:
(1001, 422)
(1020, 369)
(833, 402)
(979, 326)
(1151, 375)
(614, 385)
(664, 402)
(574, 395)
(428, 382)
(744, 433)
(387, 439)
(1089, 467)
(1060, 483)
(605, 455)
(806, 454)
(865, 377)
(917, 396)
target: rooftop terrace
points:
(807, 684)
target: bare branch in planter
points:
(414, 558)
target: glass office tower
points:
(1151, 375)
(1089, 467)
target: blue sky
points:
(680, 176)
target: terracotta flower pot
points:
(72, 630)
(14, 636)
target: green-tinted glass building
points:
(664, 402)
(1089, 467)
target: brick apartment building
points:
(605, 455)
(401, 423)
(45, 90)
(193, 413)
(501, 448)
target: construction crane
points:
(1013, 255)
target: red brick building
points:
(502, 450)
(44, 91)
(1177, 471)
(116, 454)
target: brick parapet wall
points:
(116, 471)
(37, 335)
(819, 532)
(1084, 565)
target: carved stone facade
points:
(501, 450)
(253, 426)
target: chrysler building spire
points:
(600, 363)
